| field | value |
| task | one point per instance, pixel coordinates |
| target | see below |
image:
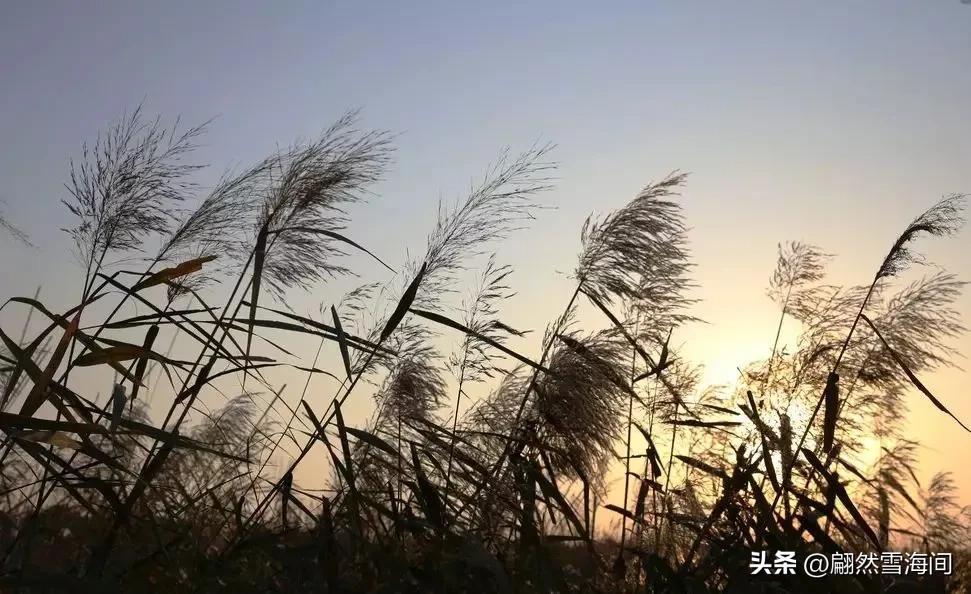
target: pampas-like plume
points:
(944, 218)
(472, 363)
(919, 321)
(661, 305)
(661, 297)
(498, 205)
(658, 308)
(618, 251)
(574, 414)
(921, 318)
(219, 221)
(942, 528)
(304, 206)
(887, 494)
(413, 390)
(127, 185)
(217, 227)
(237, 427)
(799, 264)
(12, 230)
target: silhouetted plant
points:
(492, 494)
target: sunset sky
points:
(830, 123)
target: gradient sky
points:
(828, 122)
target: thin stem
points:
(630, 423)
(775, 343)
(665, 503)
(455, 422)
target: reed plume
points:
(216, 226)
(942, 529)
(502, 202)
(304, 207)
(623, 248)
(573, 418)
(11, 229)
(887, 492)
(798, 265)
(414, 389)
(943, 219)
(128, 185)
(473, 361)
(919, 322)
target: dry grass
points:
(441, 490)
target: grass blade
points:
(38, 394)
(403, 304)
(831, 401)
(338, 237)
(142, 364)
(170, 274)
(457, 326)
(259, 257)
(913, 378)
(342, 342)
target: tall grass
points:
(491, 468)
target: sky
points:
(831, 123)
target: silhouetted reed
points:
(442, 489)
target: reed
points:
(482, 467)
